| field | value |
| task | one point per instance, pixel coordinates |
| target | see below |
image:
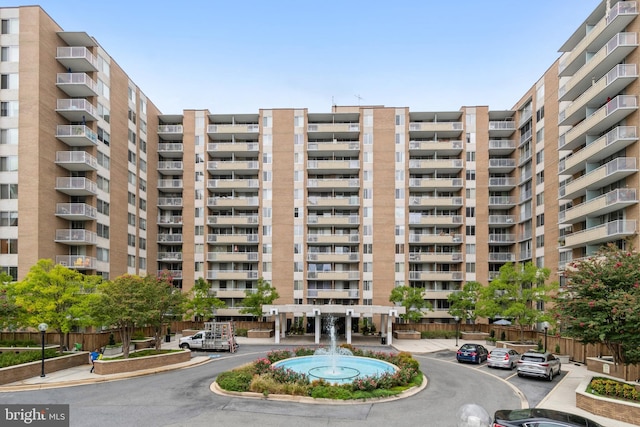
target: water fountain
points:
(335, 364)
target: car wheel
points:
(520, 375)
(550, 377)
(184, 346)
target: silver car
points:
(503, 358)
(543, 365)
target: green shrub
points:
(138, 336)
(112, 339)
(234, 380)
(331, 392)
(13, 358)
(19, 343)
(277, 355)
(437, 334)
(612, 388)
(241, 332)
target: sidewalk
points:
(561, 398)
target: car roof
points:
(549, 414)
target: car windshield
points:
(468, 347)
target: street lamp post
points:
(42, 327)
(457, 319)
(545, 325)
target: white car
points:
(535, 364)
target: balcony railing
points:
(77, 185)
(76, 236)
(77, 262)
(76, 211)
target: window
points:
(9, 109)
(142, 224)
(8, 246)
(143, 165)
(11, 271)
(540, 114)
(131, 240)
(539, 220)
(471, 175)
(539, 241)
(399, 193)
(540, 177)
(131, 178)
(9, 54)
(132, 137)
(199, 230)
(143, 145)
(266, 212)
(142, 263)
(102, 254)
(10, 26)
(399, 119)
(143, 126)
(103, 89)
(470, 267)
(142, 184)
(266, 176)
(266, 158)
(131, 261)
(103, 160)
(8, 191)
(199, 194)
(102, 230)
(399, 267)
(9, 81)
(470, 193)
(103, 136)
(103, 112)
(142, 243)
(540, 199)
(366, 285)
(199, 176)
(471, 230)
(9, 136)
(367, 248)
(471, 156)
(131, 219)
(199, 266)
(470, 248)
(143, 205)
(103, 207)
(9, 164)
(540, 157)
(399, 230)
(131, 198)
(471, 212)
(266, 230)
(198, 212)
(132, 157)
(367, 267)
(399, 248)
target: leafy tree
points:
(203, 301)
(124, 303)
(265, 294)
(516, 294)
(601, 302)
(9, 310)
(463, 303)
(166, 302)
(53, 294)
(411, 299)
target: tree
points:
(124, 303)
(203, 301)
(166, 302)
(53, 294)
(516, 294)
(265, 294)
(601, 302)
(9, 311)
(412, 300)
(463, 303)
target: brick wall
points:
(609, 408)
(33, 369)
(105, 367)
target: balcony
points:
(173, 274)
(333, 128)
(436, 275)
(164, 238)
(233, 184)
(502, 239)
(335, 148)
(501, 147)
(605, 118)
(76, 135)
(603, 147)
(234, 128)
(333, 166)
(77, 58)
(77, 262)
(333, 257)
(334, 294)
(234, 147)
(441, 257)
(612, 201)
(233, 238)
(171, 132)
(175, 167)
(232, 275)
(76, 85)
(430, 202)
(237, 166)
(333, 238)
(431, 147)
(612, 53)
(232, 220)
(334, 183)
(502, 183)
(168, 203)
(505, 220)
(608, 232)
(445, 184)
(232, 293)
(76, 160)
(446, 220)
(435, 126)
(76, 186)
(620, 15)
(169, 256)
(170, 185)
(237, 202)
(170, 149)
(502, 257)
(606, 174)
(501, 128)
(434, 238)
(322, 220)
(333, 275)
(501, 165)
(348, 201)
(76, 110)
(76, 211)
(170, 220)
(502, 202)
(613, 82)
(433, 165)
(75, 237)
(232, 256)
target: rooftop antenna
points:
(359, 98)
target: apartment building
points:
(334, 209)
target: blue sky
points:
(239, 56)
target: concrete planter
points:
(112, 351)
(520, 348)
(105, 367)
(260, 333)
(564, 358)
(142, 344)
(33, 369)
(406, 335)
(628, 412)
(474, 335)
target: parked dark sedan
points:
(474, 353)
(540, 417)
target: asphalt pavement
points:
(561, 397)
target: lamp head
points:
(42, 327)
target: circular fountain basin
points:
(337, 369)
